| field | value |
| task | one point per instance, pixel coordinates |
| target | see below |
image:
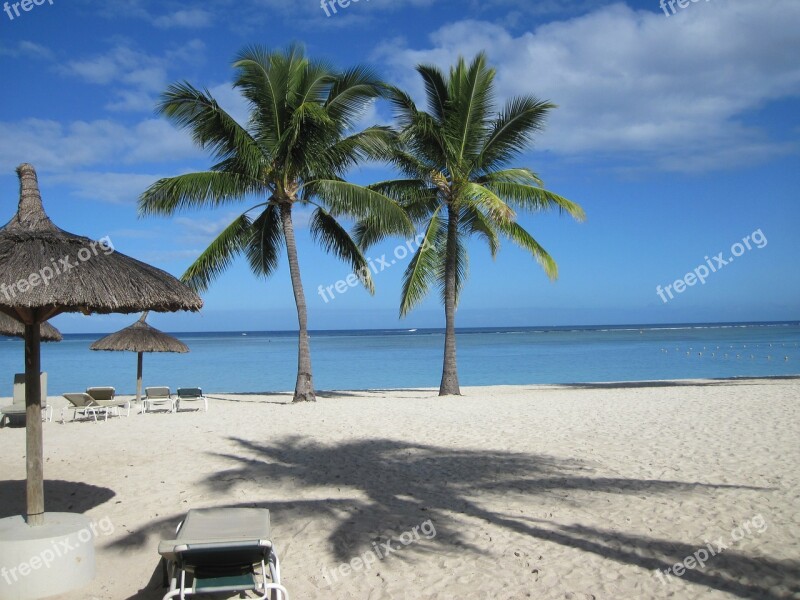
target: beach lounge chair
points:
(83, 404)
(104, 396)
(157, 396)
(222, 550)
(190, 395)
(16, 411)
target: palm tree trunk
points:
(304, 387)
(449, 385)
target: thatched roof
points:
(140, 337)
(62, 272)
(12, 327)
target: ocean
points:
(377, 359)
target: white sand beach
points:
(549, 492)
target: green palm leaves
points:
(454, 158)
(299, 143)
(295, 148)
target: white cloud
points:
(207, 228)
(136, 78)
(674, 91)
(57, 147)
(157, 141)
(53, 146)
(27, 49)
(116, 188)
(190, 19)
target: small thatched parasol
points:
(45, 271)
(140, 337)
(14, 328)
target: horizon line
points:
(681, 324)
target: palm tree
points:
(294, 150)
(457, 184)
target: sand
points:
(549, 492)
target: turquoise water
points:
(266, 361)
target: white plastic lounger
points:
(222, 550)
(83, 404)
(157, 396)
(104, 396)
(190, 395)
(17, 411)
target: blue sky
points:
(677, 134)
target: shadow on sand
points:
(406, 484)
(60, 496)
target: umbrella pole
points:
(139, 377)
(33, 426)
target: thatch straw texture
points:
(140, 337)
(44, 267)
(13, 328)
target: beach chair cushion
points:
(157, 393)
(211, 532)
(101, 393)
(80, 399)
(207, 525)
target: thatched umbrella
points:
(13, 328)
(45, 271)
(140, 337)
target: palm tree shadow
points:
(398, 485)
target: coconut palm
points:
(294, 150)
(456, 184)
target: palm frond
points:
(471, 96)
(423, 269)
(219, 255)
(204, 189)
(535, 199)
(211, 127)
(513, 175)
(517, 234)
(264, 243)
(373, 143)
(350, 94)
(404, 107)
(513, 131)
(345, 198)
(436, 90)
(334, 238)
(473, 222)
(486, 199)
